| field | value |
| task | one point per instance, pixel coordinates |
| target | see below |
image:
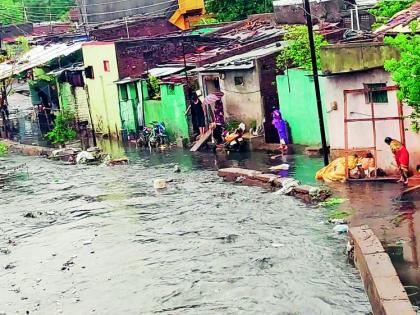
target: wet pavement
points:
(99, 240)
(395, 221)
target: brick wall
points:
(139, 28)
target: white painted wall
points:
(360, 133)
(241, 102)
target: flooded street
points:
(100, 240)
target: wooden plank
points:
(411, 190)
(200, 142)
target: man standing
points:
(402, 158)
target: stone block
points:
(397, 308)
(364, 239)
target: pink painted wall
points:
(361, 133)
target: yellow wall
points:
(103, 92)
(180, 17)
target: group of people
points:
(204, 117)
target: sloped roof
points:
(37, 56)
(243, 61)
(400, 22)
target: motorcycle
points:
(143, 137)
(234, 141)
(158, 135)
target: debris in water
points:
(288, 185)
(341, 228)
(177, 169)
(277, 245)
(333, 201)
(281, 167)
(159, 183)
(10, 266)
(69, 263)
(5, 251)
(29, 215)
(114, 162)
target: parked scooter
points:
(158, 135)
(234, 141)
(143, 137)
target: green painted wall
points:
(66, 97)
(298, 106)
(129, 101)
(103, 92)
(170, 109)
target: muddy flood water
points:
(100, 240)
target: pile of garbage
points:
(92, 156)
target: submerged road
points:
(99, 240)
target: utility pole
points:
(126, 27)
(51, 30)
(316, 80)
(25, 15)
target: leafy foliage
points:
(406, 72)
(297, 52)
(385, 9)
(234, 10)
(339, 214)
(3, 149)
(13, 11)
(63, 130)
(208, 21)
(333, 201)
(154, 86)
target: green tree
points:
(10, 12)
(385, 9)
(297, 53)
(406, 71)
(234, 10)
(13, 11)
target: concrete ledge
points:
(271, 181)
(383, 287)
(26, 149)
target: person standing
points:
(281, 127)
(197, 114)
(402, 158)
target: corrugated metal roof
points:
(400, 22)
(164, 71)
(37, 56)
(127, 80)
(244, 61)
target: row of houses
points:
(107, 82)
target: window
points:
(375, 96)
(123, 92)
(239, 80)
(106, 66)
(171, 89)
(89, 72)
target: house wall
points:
(98, 11)
(174, 106)
(242, 102)
(135, 57)
(103, 92)
(298, 106)
(140, 28)
(170, 109)
(129, 107)
(327, 10)
(360, 133)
